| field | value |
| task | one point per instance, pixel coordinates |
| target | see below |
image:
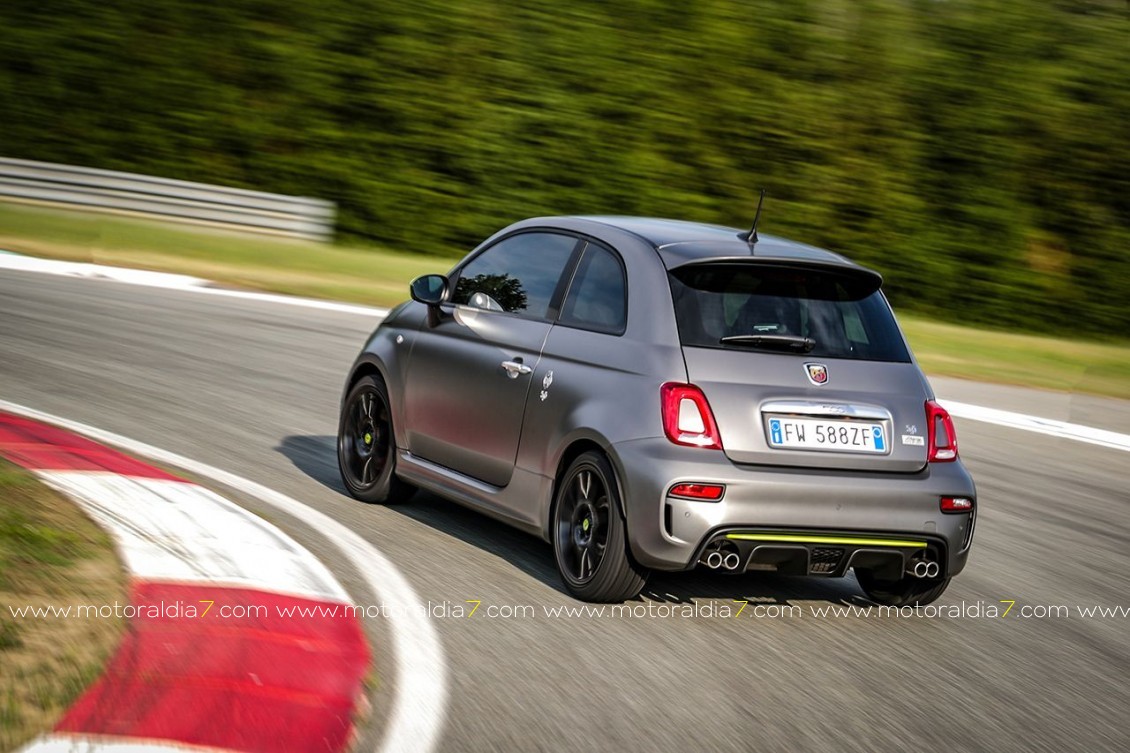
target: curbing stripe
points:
(418, 708)
(61, 742)
(247, 675)
(261, 683)
(36, 445)
(171, 530)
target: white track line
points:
(8, 260)
(18, 262)
(1048, 426)
(417, 714)
(290, 300)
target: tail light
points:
(942, 437)
(687, 418)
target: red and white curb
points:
(415, 658)
(239, 638)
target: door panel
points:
(469, 374)
(464, 409)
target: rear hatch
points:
(803, 364)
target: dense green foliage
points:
(976, 152)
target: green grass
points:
(28, 541)
(50, 554)
(371, 275)
(380, 276)
(1030, 360)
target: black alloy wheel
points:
(589, 535)
(366, 446)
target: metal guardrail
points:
(146, 196)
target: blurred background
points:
(976, 152)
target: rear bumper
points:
(765, 508)
(820, 553)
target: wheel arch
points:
(365, 366)
(573, 449)
(369, 364)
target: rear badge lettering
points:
(913, 440)
(817, 373)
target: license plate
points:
(824, 434)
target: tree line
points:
(974, 151)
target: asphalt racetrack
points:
(253, 388)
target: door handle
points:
(516, 368)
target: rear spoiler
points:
(868, 277)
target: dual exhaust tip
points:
(725, 558)
(924, 569)
(717, 559)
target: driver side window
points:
(517, 275)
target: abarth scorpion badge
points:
(817, 373)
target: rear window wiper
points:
(782, 342)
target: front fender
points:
(384, 356)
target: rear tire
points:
(366, 445)
(590, 541)
(908, 591)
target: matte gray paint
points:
(469, 432)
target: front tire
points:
(366, 445)
(590, 542)
(908, 591)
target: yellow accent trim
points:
(793, 539)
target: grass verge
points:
(378, 276)
(1053, 363)
(51, 554)
(374, 276)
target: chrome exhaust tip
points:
(714, 560)
(731, 561)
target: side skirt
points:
(512, 504)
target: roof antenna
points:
(751, 236)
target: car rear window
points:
(809, 310)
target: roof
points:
(680, 242)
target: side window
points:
(598, 297)
(517, 274)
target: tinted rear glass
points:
(843, 314)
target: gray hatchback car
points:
(659, 395)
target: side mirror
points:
(429, 289)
